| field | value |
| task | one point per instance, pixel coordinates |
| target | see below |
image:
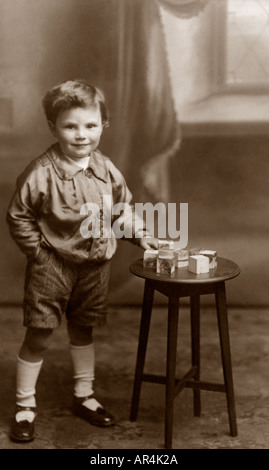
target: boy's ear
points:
(52, 127)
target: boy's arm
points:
(149, 243)
(22, 216)
(140, 235)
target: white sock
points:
(27, 375)
(83, 360)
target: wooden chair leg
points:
(142, 347)
(173, 307)
(195, 347)
(226, 354)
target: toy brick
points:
(212, 255)
(181, 258)
(166, 244)
(195, 251)
(150, 259)
(182, 263)
(166, 262)
(199, 264)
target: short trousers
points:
(55, 287)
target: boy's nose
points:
(80, 134)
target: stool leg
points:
(142, 347)
(195, 347)
(226, 354)
(171, 368)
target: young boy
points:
(67, 273)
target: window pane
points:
(247, 56)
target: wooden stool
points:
(183, 283)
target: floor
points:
(116, 343)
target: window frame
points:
(219, 58)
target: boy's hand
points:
(149, 243)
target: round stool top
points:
(225, 269)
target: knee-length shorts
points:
(55, 287)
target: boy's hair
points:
(73, 93)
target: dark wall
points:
(225, 181)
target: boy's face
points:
(78, 131)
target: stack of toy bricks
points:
(166, 259)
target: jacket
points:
(49, 207)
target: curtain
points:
(145, 106)
(132, 67)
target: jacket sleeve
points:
(127, 217)
(22, 214)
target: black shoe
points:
(100, 417)
(22, 431)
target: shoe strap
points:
(25, 408)
(82, 399)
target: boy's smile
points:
(78, 131)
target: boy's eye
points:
(73, 126)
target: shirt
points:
(51, 202)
